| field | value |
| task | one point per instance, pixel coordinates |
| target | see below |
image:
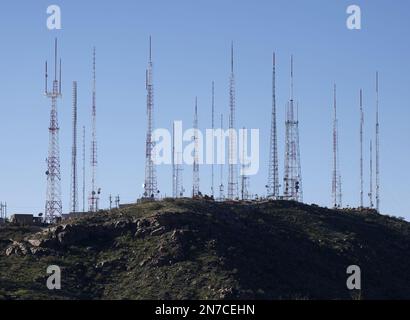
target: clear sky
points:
(191, 43)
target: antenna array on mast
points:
(74, 182)
(377, 146)
(213, 131)
(53, 207)
(336, 177)
(273, 174)
(150, 185)
(221, 185)
(95, 192)
(292, 177)
(361, 147)
(232, 154)
(195, 182)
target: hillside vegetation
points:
(198, 249)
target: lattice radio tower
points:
(371, 204)
(213, 131)
(195, 174)
(336, 176)
(377, 146)
(273, 173)
(95, 192)
(292, 177)
(150, 184)
(221, 185)
(232, 156)
(83, 169)
(245, 179)
(361, 147)
(74, 182)
(53, 207)
(177, 187)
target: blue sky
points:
(191, 43)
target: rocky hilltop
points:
(199, 249)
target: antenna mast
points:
(377, 146)
(221, 185)
(233, 170)
(195, 182)
(337, 180)
(371, 205)
(361, 147)
(293, 176)
(83, 168)
(273, 177)
(244, 177)
(174, 173)
(150, 185)
(74, 182)
(213, 130)
(95, 193)
(53, 207)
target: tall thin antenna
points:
(150, 184)
(244, 177)
(213, 130)
(273, 172)
(195, 182)
(53, 207)
(336, 179)
(293, 176)
(232, 157)
(84, 169)
(371, 204)
(74, 182)
(361, 147)
(174, 173)
(377, 146)
(95, 192)
(221, 185)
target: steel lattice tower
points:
(361, 147)
(371, 204)
(195, 174)
(150, 184)
(232, 156)
(95, 192)
(213, 131)
(83, 168)
(177, 187)
(336, 176)
(292, 177)
(273, 173)
(174, 172)
(377, 146)
(244, 178)
(53, 207)
(221, 185)
(74, 182)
